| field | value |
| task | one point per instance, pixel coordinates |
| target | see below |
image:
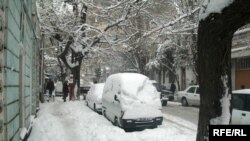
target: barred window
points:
(243, 63)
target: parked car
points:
(94, 97)
(163, 96)
(84, 88)
(190, 96)
(59, 88)
(167, 92)
(131, 101)
(241, 107)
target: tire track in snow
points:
(177, 124)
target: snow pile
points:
(23, 132)
(213, 6)
(96, 92)
(133, 90)
(59, 121)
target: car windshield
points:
(240, 102)
(157, 86)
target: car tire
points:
(164, 103)
(171, 98)
(87, 103)
(94, 108)
(184, 102)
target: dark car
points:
(164, 92)
(167, 92)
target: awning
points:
(240, 52)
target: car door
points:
(190, 95)
(197, 96)
(90, 97)
(117, 104)
(238, 108)
(245, 114)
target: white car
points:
(84, 88)
(94, 97)
(190, 96)
(131, 101)
(59, 88)
(241, 107)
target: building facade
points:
(241, 58)
(19, 68)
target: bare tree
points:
(216, 29)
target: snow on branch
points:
(171, 23)
(213, 6)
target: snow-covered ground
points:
(74, 121)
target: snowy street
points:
(189, 113)
(59, 121)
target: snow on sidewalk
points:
(74, 121)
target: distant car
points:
(190, 96)
(84, 88)
(59, 88)
(131, 101)
(165, 94)
(241, 107)
(94, 97)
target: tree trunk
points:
(214, 64)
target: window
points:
(247, 103)
(241, 102)
(238, 101)
(198, 90)
(191, 90)
(243, 63)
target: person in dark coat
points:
(172, 87)
(65, 90)
(50, 87)
(71, 88)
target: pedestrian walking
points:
(50, 86)
(172, 87)
(71, 88)
(65, 90)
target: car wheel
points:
(87, 103)
(164, 103)
(184, 102)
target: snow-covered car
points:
(241, 107)
(94, 97)
(190, 96)
(84, 88)
(130, 100)
(59, 88)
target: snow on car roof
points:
(242, 91)
(134, 89)
(96, 90)
(130, 82)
